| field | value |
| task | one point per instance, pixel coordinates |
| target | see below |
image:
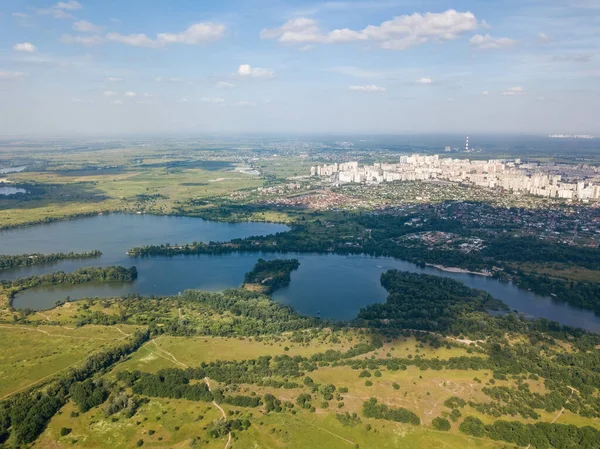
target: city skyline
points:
(386, 66)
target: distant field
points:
(192, 351)
(32, 354)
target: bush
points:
(65, 431)
(473, 426)
(441, 424)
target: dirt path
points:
(167, 353)
(327, 431)
(562, 410)
(222, 412)
(172, 358)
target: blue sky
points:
(134, 66)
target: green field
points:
(33, 354)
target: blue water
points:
(327, 285)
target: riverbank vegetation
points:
(79, 276)
(269, 275)
(26, 260)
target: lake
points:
(326, 285)
(5, 191)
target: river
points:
(326, 285)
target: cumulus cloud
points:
(59, 11)
(82, 40)
(11, 76)
(184, 100)
(20, 15)
(70, 5)
(130, 94)
(199, 33)
(400, 33)
(84, 26)
(513, 91)
(109, 93)
(485, 93)
(370, 88)
(114, 79)
(488, 42)
(26, 47)
(543, 38)
(247, 71)
(424, 80)
(117, 102)
(225, 85)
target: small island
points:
(269, 275)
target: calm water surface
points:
(328, 285)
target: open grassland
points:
(563, 271)
(168, 352)
(32, 354)
(159, 423)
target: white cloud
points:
(540, 98)
(130, 94)
(488, 42)
(225, 85)
(114, 79)
(84, 26)
(147, 95)
(70, 5)
(213, 100)
(20, 15)
(485, 93)
(247, 71)
(76, 100)
(58, 11)
(424, 80)
(543, 38)
(184, 100)
(117, 102)
(199, 33)
(400, 33)
(82, 40)
(109, 93)
(513, 91)
(26, 47)
(11, 76)
(246, 103)
(371, 88)
(306, 48)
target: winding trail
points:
(222, 412)
(172, 358)
(562, 410)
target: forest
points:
(25, 260)
(270, 275)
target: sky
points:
(382, 66)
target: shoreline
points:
(458, 270)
